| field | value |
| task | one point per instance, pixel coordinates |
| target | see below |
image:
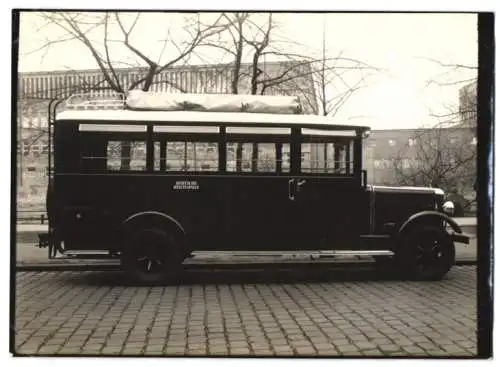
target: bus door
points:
(258, 174)
(327, 192)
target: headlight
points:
(448, 208)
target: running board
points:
(297, 253)
(82, 254)
(358, 253)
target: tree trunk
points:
(125, 155)
(255, 156)
(239, 156)
(325, 156)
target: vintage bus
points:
(152, 185)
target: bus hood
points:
(407, 189)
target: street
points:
(265, 313)
(301, 309)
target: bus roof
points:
(124, 116)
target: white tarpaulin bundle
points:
(158, 101)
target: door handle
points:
(291, 193)
(300, 184)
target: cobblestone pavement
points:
(96, 313)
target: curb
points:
(465, 262)
(109, 266)
(67, 267)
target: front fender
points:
(431, 214)
(456, 236)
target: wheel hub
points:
(430, 252)
(148, 258)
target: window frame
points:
(294, 139)
(164, 137)
(351, 156)
(261, 138)
(104, 137)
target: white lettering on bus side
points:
(186, 185)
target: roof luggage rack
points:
(92, 101)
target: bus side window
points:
(126, 155)
(251, 157)
(266, 158)
(328, 157)
(186, 156)
(98, 154)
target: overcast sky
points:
(399, 97)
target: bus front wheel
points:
(426, 253)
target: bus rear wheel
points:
(151, 255)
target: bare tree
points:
(461, 78)
(445, 156)
(97, 31)
(246, 39)
(300, 74)
(440, 157)
(237, 34)
(246, 36)
(337, 78)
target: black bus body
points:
(152, 187)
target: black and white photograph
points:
(251, 184)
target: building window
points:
(26, 147)
(412, 142)
(406, 163)
(36, 149)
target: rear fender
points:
(152, 219)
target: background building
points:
(36, 89)
(384, 146)
(468, 104)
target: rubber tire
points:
(406, 251)
(172, 256)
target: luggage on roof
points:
(158, 101)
